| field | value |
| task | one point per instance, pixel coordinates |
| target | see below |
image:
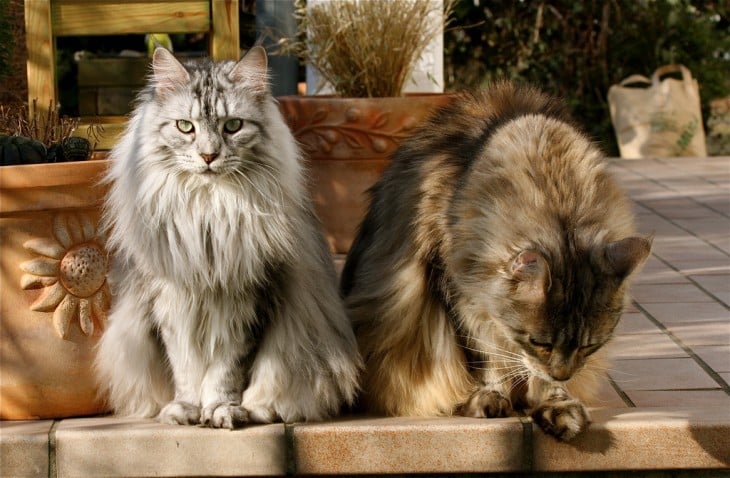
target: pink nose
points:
(208, 158)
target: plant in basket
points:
(366, 52)
(25, 138)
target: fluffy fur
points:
(491, 266)
(225, 307)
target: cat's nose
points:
(561, 373)
(208, 157)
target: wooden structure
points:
(47, 19)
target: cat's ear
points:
(531, 271)
(626, 255)
(251, 70)
(167, 72)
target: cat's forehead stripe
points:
(221, 110)
(208, 100)
(195, 110)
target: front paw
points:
(224, 415)
(562, 419)
(180, 413)
(487, 404)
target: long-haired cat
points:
(491, 266)
(226, 308)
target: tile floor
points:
(673, 344)
(665, 406)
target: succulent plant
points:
(27, 139)
(21, 150)
(76, 148)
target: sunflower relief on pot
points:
(54, 295)
(71, 268)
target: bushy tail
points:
(132, 371)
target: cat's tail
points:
(133, 374)
(307, 366)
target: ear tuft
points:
(167, 72)
(627, 255)
(531, 270)
(251, 70)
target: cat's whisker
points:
(518, 381)
(617, 376)
(493, 356)
(511, 368)
(252, 184)
(498, 351)
(488, 347)
(267, 171)
(497, 362)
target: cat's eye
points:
(185, 126)
(587, 350)
(232, 125)
(547, 347)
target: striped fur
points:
(491, 265)
(226, 307)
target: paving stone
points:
(642, 346)
(24, 448)
(409, 445)
(671, 313)
(716, 356)
(661, 374)
(118, 447)
(702, 333)
(680, 398)
(670, 293)
(641, 439)
(636, 323)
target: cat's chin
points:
(205, 173)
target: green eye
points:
(185, 126)
(232, 125)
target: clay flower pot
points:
(347, 143)
(53, 291)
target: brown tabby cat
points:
(492, 265)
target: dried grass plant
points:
(15, 120)
(366, 48)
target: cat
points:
(492, 264)
(226, 309)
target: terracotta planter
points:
(348, 142)
(54, 295)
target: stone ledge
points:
(641, 439)
(410, 445)
(132, 447)
(619, 439)
(24, 448)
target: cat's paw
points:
(562, 419)
(180, 413)
(224, 415)
(487, 404)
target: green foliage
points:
(579, 49)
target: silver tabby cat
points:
(492, 265)
(226, 308)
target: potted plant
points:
(53, 291)
(366, 51)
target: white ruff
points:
(199, 312)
